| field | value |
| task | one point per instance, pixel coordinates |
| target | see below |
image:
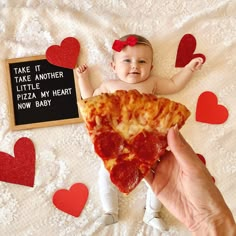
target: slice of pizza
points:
(129, 132)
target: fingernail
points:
(178, 134)
(176, 129)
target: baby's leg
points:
(152, 202)
(108, 196)
(153, 208)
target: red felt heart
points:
(185, 52)
(71, 201)
(65, 55)
(21, 168)
(209, 111)
(202, 158)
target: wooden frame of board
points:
(40, 124)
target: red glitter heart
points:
(65, 55)
(21, 168)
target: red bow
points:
(118, 45)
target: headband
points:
(118, 45)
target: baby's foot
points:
(108, 219)
(153, 219)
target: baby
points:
(132, 62)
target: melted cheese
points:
(130, 112)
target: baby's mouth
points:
(134, 73)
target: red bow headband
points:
(118, 45)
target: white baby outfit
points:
(109, 198)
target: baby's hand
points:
(82, 71)
(82, 68)
(195, 64)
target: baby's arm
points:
(86, 89)
(179, 80)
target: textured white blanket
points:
(64, 154)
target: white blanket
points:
(64, 154)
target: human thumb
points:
(181, 150)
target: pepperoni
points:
(108, 144)
(126, 176)
(148, 146)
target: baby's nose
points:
(134, 65)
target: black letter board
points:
(41, 94)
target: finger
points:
(85, 67)
(199, 66)
(201, 60)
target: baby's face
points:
(133, 64)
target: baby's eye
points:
(142, 61)
(127, 60)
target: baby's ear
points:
(151, 67)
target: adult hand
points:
(185, 187)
